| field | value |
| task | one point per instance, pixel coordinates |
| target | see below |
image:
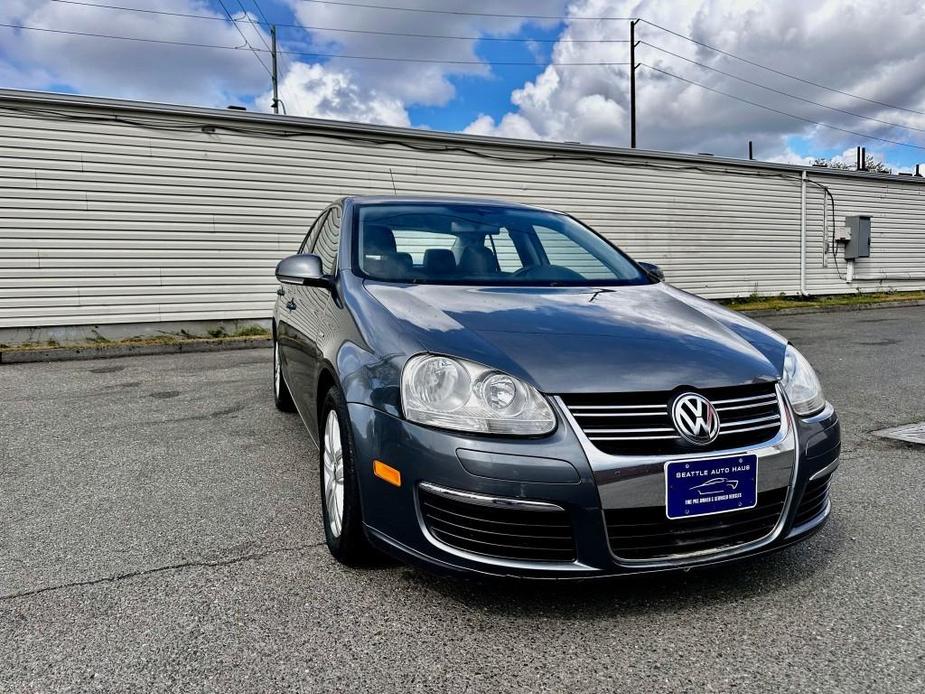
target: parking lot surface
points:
(159, 531)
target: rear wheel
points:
(340, 492)
(281, 395)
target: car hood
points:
(581, 340)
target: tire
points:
(341, 513)
(282, 398)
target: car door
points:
(320, 303)
(298, 327)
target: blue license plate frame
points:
(709, 486)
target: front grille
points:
(640, 423)
(646, 533)
(504, 533)
(813, 501)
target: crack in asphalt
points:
(255, 556)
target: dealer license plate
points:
(707, 486)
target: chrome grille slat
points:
(579, 415)
(772, 425)
(660, 430)
(655, 408)
(641, 423)
(630, 438)
(749, 406)
(756, 420)
(726, 402)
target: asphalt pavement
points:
(159, 531)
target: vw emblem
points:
(695, 419)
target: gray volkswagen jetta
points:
(496, 389)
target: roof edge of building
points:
(10, 97)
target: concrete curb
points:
(759, 313)
(24, 356)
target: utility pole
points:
(633, 83)
(275, 73)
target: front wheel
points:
(340, 492)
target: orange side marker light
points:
(387, 473)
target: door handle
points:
(280, 292)
(290, 305)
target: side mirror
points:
(304, 269)
(653, 270)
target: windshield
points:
(485, 245)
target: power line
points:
(778, 91)
(315, 55)
(464, 13)
(253, 24)
(246, 42)
(121, 38)
(305, 27)
(402, 34)
(781, 72)
(783, 113)
(260, 12)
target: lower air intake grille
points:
(645, 533)
(498, 531)
(813, 501)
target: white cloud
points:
(130, 69)
(790, 157)
(391, 86)
(327, 93)
(512, 125)
(872, 49)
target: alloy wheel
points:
(276, 368)
(333, 474)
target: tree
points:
(831, 164)
(870, 164)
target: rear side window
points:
(309, 241)
(328, 241)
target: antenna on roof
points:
(392, 176)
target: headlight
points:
(801, 384)
(461, 395)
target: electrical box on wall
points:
(858, 245)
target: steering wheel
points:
(546, 272)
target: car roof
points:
(440, 199)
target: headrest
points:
(439, 261)
(378, 239)
(477, 260)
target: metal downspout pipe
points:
(803, 234)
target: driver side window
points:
(502, 245)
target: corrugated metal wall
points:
(105, 221)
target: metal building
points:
(116, 212)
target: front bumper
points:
(561, 470)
